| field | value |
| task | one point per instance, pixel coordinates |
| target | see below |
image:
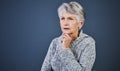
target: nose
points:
(66, 23)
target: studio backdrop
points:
(28, 26)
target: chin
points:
(66, 32)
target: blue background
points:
(28, 26)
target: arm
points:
(88, 56)
(86, 60)
(46, 64)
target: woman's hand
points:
(66, 40)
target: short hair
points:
(73, 8)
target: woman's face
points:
(69, 23)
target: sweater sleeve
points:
(46, 66)
(85, 62)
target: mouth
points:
(66, 28)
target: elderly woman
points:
(73, 50)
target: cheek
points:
(74, 26)
(60, 23)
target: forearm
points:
(85, 61)
(47, 61)
(46, 65)
(69, 61)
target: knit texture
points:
(80, 56)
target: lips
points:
(66, 28)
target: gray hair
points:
(73, 8)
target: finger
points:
(64, 35)
(67, 35)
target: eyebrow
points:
(70, 18)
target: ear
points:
(80, 24)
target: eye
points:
(62, 18)
(70, 18)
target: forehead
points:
(67, 14)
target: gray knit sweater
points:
(79, 57)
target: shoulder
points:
(53, 44)
(88, 39)
(55, 41)
(88, 43)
